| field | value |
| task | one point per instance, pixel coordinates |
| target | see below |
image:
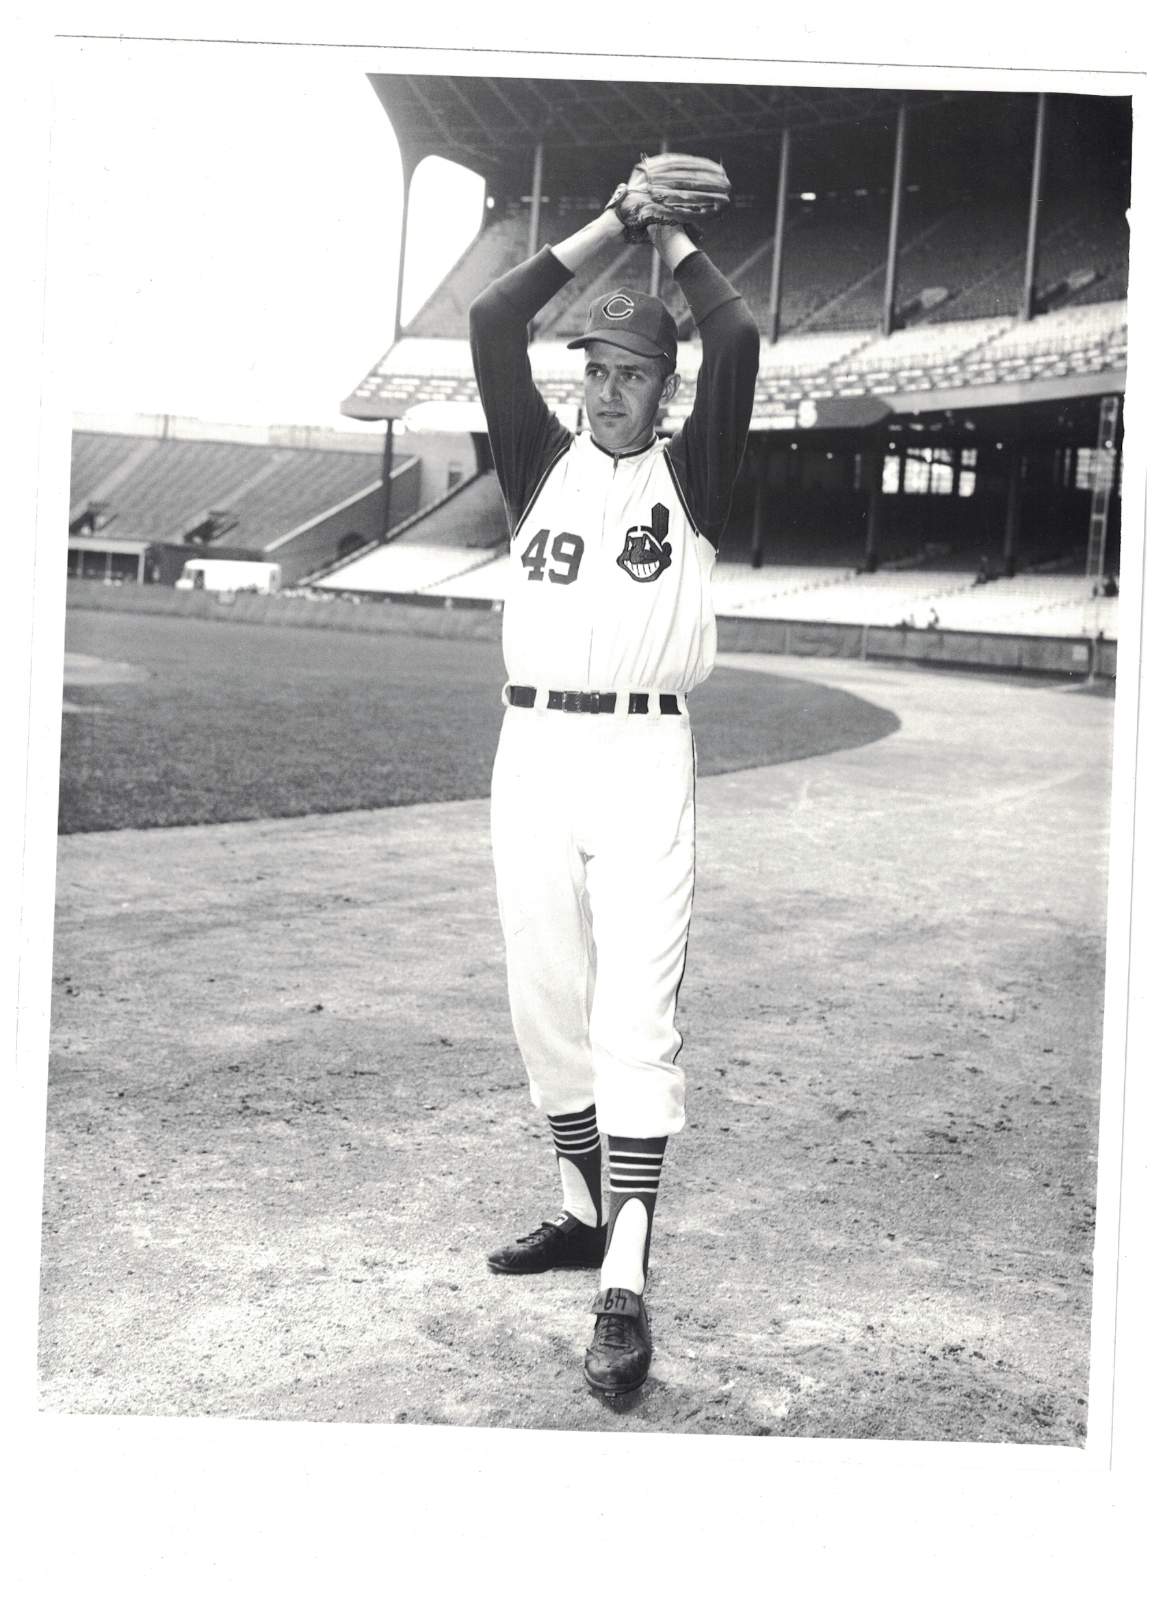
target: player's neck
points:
(630, 450)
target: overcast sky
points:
(227, 227)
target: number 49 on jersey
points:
(567, 550)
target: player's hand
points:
(670, 188)
(672, 241)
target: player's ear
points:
(670, 388)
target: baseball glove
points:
(671, 189)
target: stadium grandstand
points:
(149, 492)
(940, 282)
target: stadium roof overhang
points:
(589, 129)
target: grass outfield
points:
(238, 721)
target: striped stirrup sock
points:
(579, 1161)
(635, 1170)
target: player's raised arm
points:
(707, 451)
(524, 434)
(588, 240)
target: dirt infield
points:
(287, 1118)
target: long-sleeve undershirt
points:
(527, 438)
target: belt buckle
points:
(583, 700)
(580, 700)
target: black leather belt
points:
(583, 700)
(580, 700)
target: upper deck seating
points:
(833, 267)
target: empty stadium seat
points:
(798, 354)
(924, 348)
(161, 487)
(757, 592)
(1052, 604)
(1071, 329)
(1046, 604)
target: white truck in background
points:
(231, 577)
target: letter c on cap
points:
(619, 307)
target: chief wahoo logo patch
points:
(646, 554)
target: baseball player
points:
(608, 624)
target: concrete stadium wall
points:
(287, 611)
(438, 454)
(994, 652)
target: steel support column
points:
(655, 258)
(776, 297)
(1013, 510)
(894, 222)
(1029, 289)
(872, 520)
(389, 442)
(1102, 485)
(1054, 500)
(409, 170)
(758, 512)
(535, 207)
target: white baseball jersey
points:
(610, 581)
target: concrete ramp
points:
(406, 569)
(472, 515)
(464, 530)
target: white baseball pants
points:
(593, 841)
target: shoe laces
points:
(613, 1331)
(544, 1231)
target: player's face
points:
(623, 392)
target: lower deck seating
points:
(1045, 604)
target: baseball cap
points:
(632, 321)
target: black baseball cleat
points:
(564, 1242)
(618, 1358)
